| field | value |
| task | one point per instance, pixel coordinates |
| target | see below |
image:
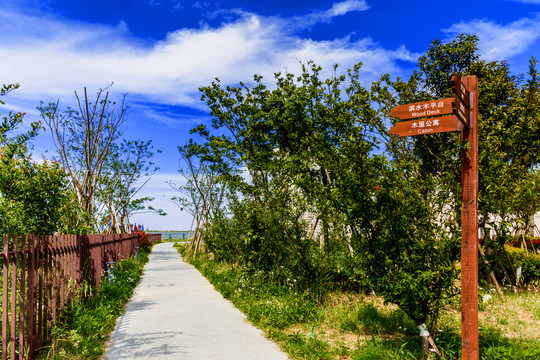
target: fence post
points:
(39, 298)
(5, 269)
(13, 296)
(78, 244)
(31, 305)
(24, 255)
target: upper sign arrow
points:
(423, 109)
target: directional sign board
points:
(427, 126)
(423, 109)
(460, 90)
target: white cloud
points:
(501, 42)
(346, 6)
(52, 57)
(174, 120)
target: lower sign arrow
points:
(427, 126)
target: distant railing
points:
(154, 238)
(39, 275)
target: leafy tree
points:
(287, 151)
(509, 128)
(389, 207)
(509, 133)
(34, 197)
(509, 123)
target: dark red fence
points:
(39, 275)
(154, 238)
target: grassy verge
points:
(358, 326)
(89, 317)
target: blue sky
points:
(161, 51)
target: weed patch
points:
(351, 325)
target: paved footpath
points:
(175, 313)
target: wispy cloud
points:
(174, 120)
(527, 1)
(337, 9)
(52, 56)
(498, 41)
(344, 7)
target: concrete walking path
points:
(175, 313)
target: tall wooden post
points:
(464, 107)
(469, 232)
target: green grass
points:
(88, 320)
(357, 326)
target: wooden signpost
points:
(464, 107)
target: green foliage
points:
(10, 122)
(509, 129)
(221, 237)
(410, 255)
(388, 209)
(528, 262)
(494, 346)
(88, 320)
(383, 350)
(263, 300)
(297, 144)
(33, 196)
(372, 320)
(302, 347)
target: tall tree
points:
(509, 132)
(287, 152)
(83, 139)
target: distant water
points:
(176, 235)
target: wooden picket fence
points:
(41, 273)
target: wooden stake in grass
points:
(491, 275)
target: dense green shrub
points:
(528, 262)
